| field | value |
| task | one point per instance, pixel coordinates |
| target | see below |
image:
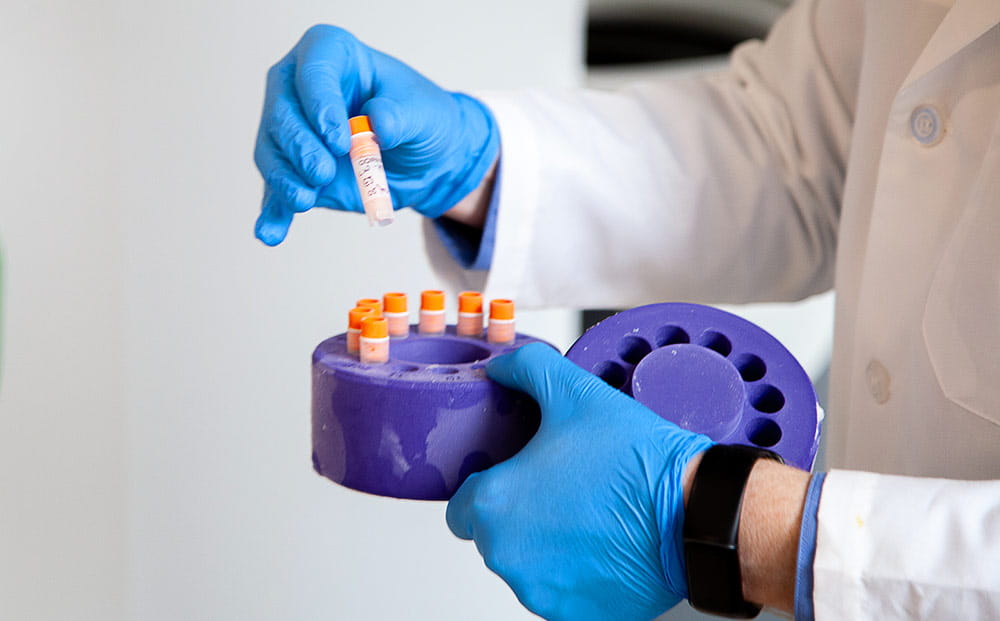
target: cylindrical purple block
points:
(419, 425)
(708, 371)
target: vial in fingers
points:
(501, 327)
(470, 314)
(354, 317)
(374, 340)
(396, 314)
(366, 158)
(431, 312)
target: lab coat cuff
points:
(807, 550)
(506, 243)
(471, 247)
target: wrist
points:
(472, 209)
(770, 520)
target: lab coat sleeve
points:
(718, 188)
(891, 547)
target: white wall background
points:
(154, 404)
(154, 393)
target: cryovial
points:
(431, 312)
(354, 317)
(501, 325)
(470, 314)
(374, 341)
(366, 158)
(396, 313)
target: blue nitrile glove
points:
(436, 145)
(585, 521)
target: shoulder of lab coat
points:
(720, 188)
(891, 547)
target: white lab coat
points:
(858, 147)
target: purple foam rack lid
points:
(709, 371)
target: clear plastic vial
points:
(470, 314)
(366, 158)
(397, 314)
(374, 341)
(501, 326)
(432, 320)
(354, 317)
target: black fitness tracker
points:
(711, 529)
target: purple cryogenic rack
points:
(708, 371)
(418, 425)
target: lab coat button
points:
(926, 125)
(878, 381)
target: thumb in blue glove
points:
(585, 521)
(437, 146)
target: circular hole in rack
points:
(717, 342)
(444, 370)
(612, 373)
(767, 399)
(671, 335)
(632, 349)
(438, 350)
(751, 367)
(764, 432)
(405, 368)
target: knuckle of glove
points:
(328, 31)
(314, 165)
(281, 124)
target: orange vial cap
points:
(374, 327)
(501, 309)
(360, 124)
(432, 300)
(470, 302)
(356, 314)
(394, 302)
(372, 303)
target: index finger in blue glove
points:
(273, 221)
(546, 376)
(323, 57)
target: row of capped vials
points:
(373, 322)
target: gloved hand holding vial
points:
(436, 146)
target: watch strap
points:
(711, 530)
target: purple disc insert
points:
(709, 371)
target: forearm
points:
(472, 209)
(770, 519)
